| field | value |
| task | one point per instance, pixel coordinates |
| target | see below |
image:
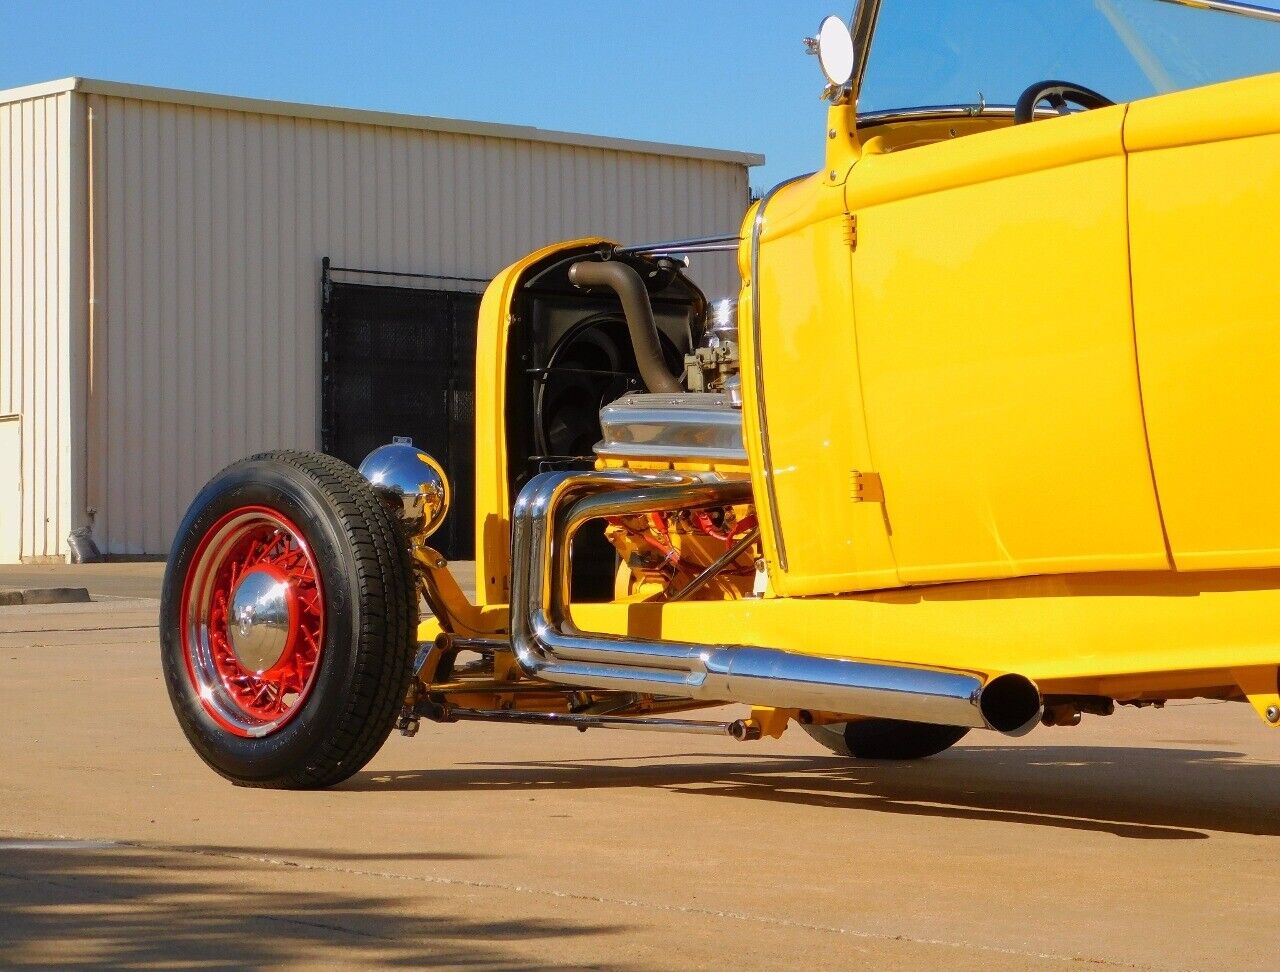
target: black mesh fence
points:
(400, 360)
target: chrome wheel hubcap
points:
(259, 623)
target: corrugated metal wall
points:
(209, 229)
(41, 308)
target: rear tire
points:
(886, 738)
(302, 693)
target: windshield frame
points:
(867, 13)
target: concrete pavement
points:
(126, 578)
(115, 579)
(1147, 840)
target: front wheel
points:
(288, 621)
(886, 738)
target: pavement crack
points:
(95, 628)
(325, 926)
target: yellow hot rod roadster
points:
(983, 442)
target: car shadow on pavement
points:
(81, 904)
(1135, 792)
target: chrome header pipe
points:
(547, 644)
(535, 549)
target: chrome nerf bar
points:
(740, 729)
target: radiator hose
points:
(631, 291)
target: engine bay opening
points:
(570, 355)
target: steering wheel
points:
(1058, 94)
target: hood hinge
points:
(851, 230)
(865, 487)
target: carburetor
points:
(713, 365)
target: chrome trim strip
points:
(731, 247)
(695, 244)
(863, 30)
(1253, 10)
(925, 112)
(757, 227)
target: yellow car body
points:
(1047, 451)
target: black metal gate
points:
(400, 360)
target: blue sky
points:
(724, 74)
(712, 72)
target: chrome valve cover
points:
(703, 427)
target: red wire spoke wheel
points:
(253, 621)
(288, 621)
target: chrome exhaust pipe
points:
(553, 506)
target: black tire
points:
(369, 609)
(886, 738)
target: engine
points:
(618, 361)
(696, 424)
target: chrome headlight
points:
(411, 484)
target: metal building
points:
(163, 289)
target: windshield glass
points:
(941, 52)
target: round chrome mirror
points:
(835, 51)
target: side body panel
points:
(808, 374)
(1204, 192)
(995, 336)
(979, 358)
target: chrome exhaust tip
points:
(1011, 704)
